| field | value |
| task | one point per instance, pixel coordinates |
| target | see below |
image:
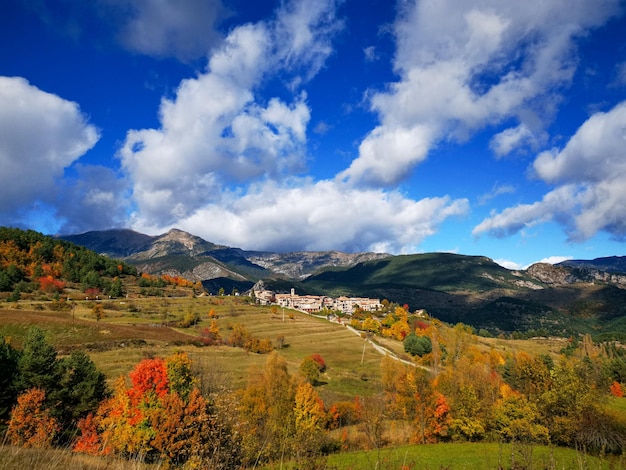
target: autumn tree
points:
(98, 311)
(309, 423)
(309, 370)
(616, 390)
(321, 363)
(515, 419)
(161, 416)
(563, 402)
(266, 410)
(472, 387)
(31, 424)
(411, 396)
(188, 433)
(180, 375)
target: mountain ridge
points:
(555, 299)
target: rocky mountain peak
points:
(551, 274)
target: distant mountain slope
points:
(444, 272)
(301, 264)
(476, 291)
(115, 243)
(611, 264)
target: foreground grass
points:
(465, 456)
(473, 456)
(19, 458)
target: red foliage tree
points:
(89, 442)
(150, 375)
(50, 284)
(616, 390)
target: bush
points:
(417, 345)
(321, 363)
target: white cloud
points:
(595, 153)
(41, 135)
(508, 264)
(464, 65)
(171, 28)
(620, 75)
(508, 140)
(518, 267)
(589, 172)
(325, 215)
(497, 190)
(513, 219)
(555, 259)
(370, 54)
(215, 134)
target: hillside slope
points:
(476, 291)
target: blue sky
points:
(493, 128)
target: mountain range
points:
(573, 296)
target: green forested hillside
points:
(30, 261)
(476, 291)
(431, 271)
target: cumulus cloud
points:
(325, 215)
(508, 140)
(508, 264)
(594, 154)
(589, 173)
(465, 65)
(215, 133)
(184, 29)
(41, 135)
(517, 266)
(222, 164)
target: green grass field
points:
(472, 456)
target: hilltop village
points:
(317, 303)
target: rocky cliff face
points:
(300, 265)
(551, 275)
(564, 275)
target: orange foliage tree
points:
(161, 415)
(30, 424)
(51, 285)
(616, 390)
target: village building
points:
(317, 303)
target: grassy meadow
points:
(473, 456)
(133, 329)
